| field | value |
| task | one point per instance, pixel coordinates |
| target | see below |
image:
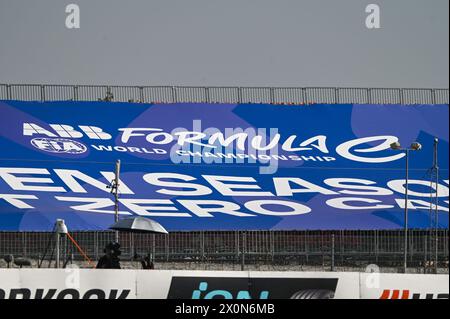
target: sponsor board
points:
(163, 284)
(70, 283)
(220, 166)
(252, 288)
(404, 286)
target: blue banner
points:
(222, 166)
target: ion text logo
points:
(225, 294)
(58, 145)
(251, 288)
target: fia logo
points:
(58, 145)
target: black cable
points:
(47, 247)
(69, 254)
(51, 257)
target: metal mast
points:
(436, 211)
(115, 191)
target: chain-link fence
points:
(326, 249)
(273, 95)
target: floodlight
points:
(396, 146)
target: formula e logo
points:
(58, 145)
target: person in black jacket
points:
(147, 263)
(111, 258)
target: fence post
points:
(131, 245)
(141, 94)
(244, 244)
(376, 246)
(75, 93)
(322, 250)
(42, 93)
(24, 244)
(166, 243)
(425, 252)
(332, 252)
(207, 95)
(174, 94)
(306, 247)
(202, 246)
(153, 247)
(369, 96)
(433, 96)
(96, 245)
(336, 95)
(436, 253)
(411, 247)
(272, 245)
(272, 95)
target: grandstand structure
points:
(326, 250)
(190, 94)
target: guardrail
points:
(180, 94)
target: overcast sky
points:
(227, 42)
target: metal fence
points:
(273, 95)
(309, 248)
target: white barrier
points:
(403, 286)
(161, 284)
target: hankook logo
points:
(58, 145)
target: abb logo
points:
(406, 294)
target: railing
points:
(306, 248)
(173, 94)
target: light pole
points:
(60, 229)
(414, 147)
(436, 214)
(114, 186)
